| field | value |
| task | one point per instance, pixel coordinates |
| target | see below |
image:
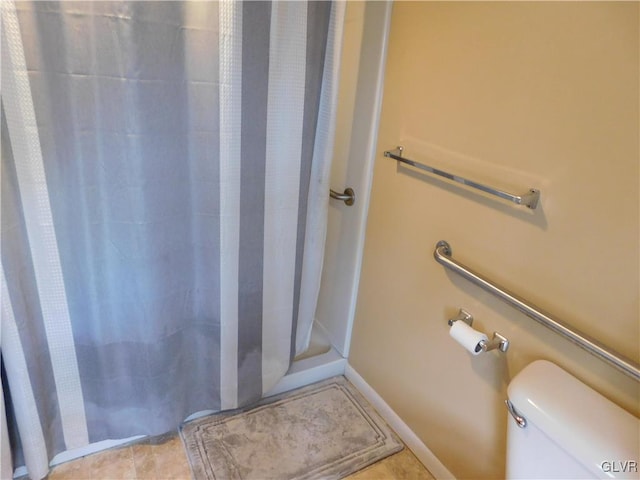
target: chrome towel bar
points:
(529, 199)
(348, 197)
(442, 254)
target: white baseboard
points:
(420, 450)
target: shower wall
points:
(361, 72)
(522, 94)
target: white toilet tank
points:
(571, 430)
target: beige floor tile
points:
(171, 460)
(144, 461)
(400, 466)
(377, 471)
(74, 470)
(405, 466)
(164, 458)
(115, 464)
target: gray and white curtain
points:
(164, 198)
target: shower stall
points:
(165, 178)
(366, 28)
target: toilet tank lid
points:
(587, 425)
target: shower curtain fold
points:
(164, 197)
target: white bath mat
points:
(326, 430)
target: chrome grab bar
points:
(348, 197)
(529, 199)
(442, 254)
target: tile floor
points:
(164, 457)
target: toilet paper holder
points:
(498, 341)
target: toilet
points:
(567, 430)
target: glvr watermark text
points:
(619, 466)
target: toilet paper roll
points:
(467, 337)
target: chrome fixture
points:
(520, 420)
(529, 199)
(463, 316)
(442, 254)
(497, 342)
(348, 197)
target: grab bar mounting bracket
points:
(348, 197)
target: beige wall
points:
(518, 95)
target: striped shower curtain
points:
(164, 195)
